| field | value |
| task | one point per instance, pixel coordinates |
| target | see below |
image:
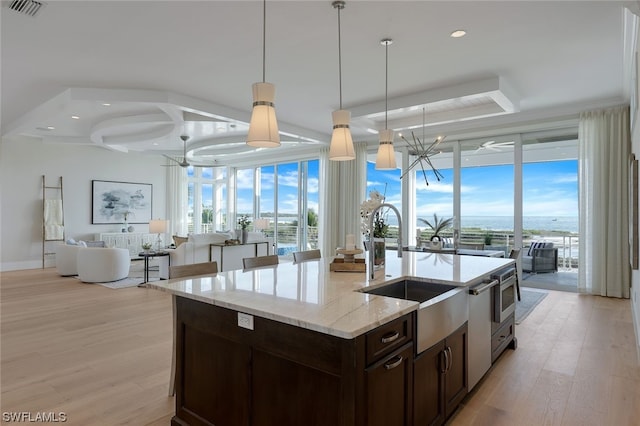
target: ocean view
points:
(543, 223)
(499, 223)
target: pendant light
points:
(263, 128)
(341, 148)
(386, 158)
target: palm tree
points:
(438, 225)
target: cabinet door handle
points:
(446, 361)
(388, 338)
(393, 364)
(450, 357)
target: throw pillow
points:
(179, 240)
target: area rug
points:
(530, 299)
(123, 283)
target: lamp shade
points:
(386, 157)
(158, 226)
(263, 128)
(341, 148)
(261, 224)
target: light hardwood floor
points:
(102, 357)
(576, 364)
(99, 355)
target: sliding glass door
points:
(487, 193)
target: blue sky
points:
(287, 188)
(549, 189)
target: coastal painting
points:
(118, 202)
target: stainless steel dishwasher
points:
(480, 316)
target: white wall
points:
(23, 161)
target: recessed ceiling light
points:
(75, 117)
(154, 143)
(106, 104)
(50, 128)
(458, 33)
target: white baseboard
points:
(26, 264)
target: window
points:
(436, 197)
(387, 183)
(287, 196)
(550, 196)
(207, 199)
(487, 192)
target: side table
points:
(147, 256)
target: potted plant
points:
(380, 231)
(146, 247)
(437, 226)
(488, 238)
(380, 227)
(244, 222)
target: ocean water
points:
(501, 223)
(543, 223)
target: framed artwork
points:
(117, 202)
(633, 212)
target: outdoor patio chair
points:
(541, 257)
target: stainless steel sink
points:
(443, 308)
(418, 291)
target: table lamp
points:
(261, 224)
(158, 226)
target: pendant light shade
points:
(341, 148)
(263, 128)
(386, 158)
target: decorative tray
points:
(339, 265)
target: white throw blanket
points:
(53, 220)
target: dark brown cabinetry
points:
(440, 379)
(389, 389)
(388, 377)
(279, 374)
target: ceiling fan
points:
(184, 162)
(495, 146)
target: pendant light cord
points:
(339, 56)
(264, 38)
(386, 83)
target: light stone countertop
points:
(308, 295)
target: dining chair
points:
(301, 256)
(515, 254)
(255, 262)
(182, 271)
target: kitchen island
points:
(298, 344)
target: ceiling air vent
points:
(26, 7)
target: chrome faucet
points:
(371, 243)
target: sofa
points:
(541, 256)
(67, 255)
(197, 249)
(103, 264)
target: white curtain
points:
(604, 143)
(177, 200)
(342, 190)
